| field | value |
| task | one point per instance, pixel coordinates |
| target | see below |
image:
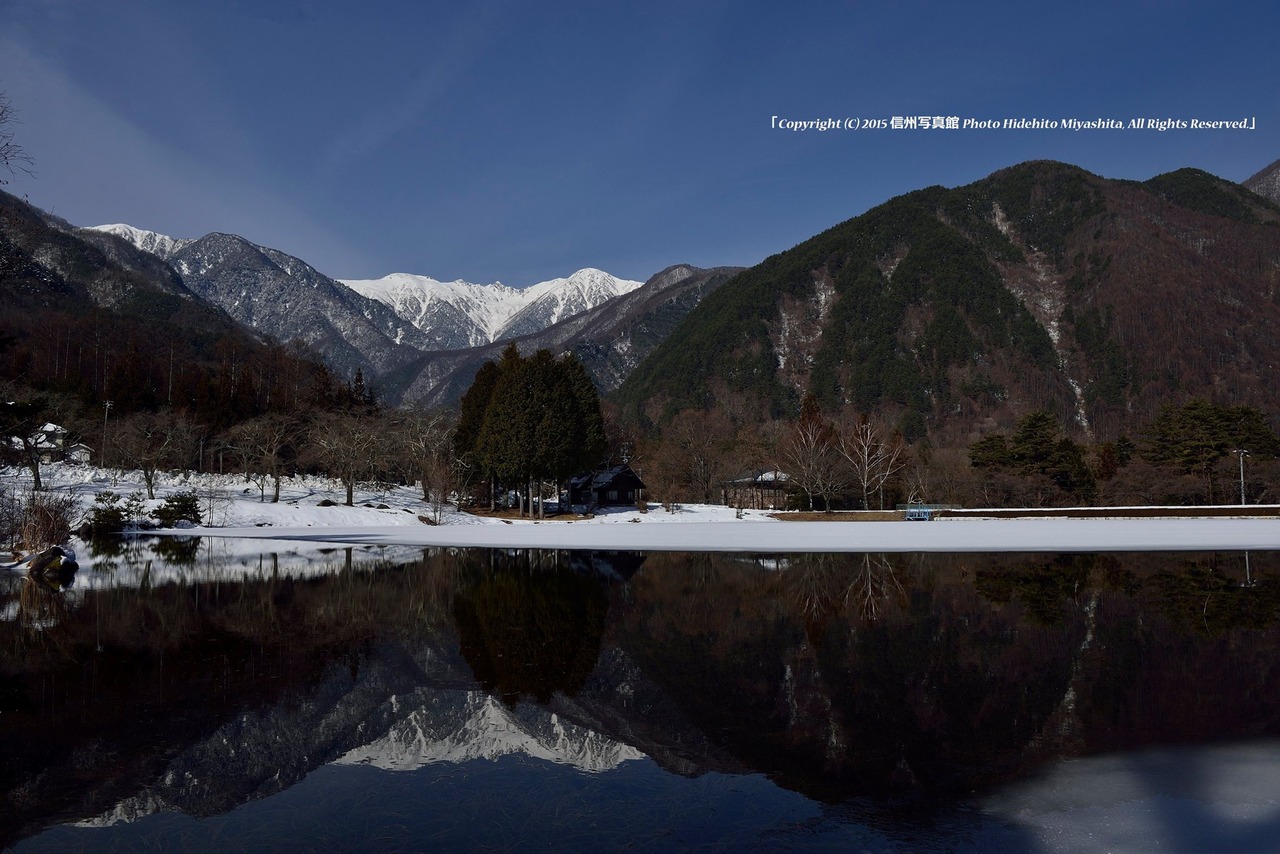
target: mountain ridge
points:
(609, 339)
(1265, 182)
(379, 327)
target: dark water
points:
(191, 697)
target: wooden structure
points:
(762, 489)
(617, 486)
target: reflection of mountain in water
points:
(837, 677)
(460, 726)
(398, 710)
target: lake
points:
(214, 694)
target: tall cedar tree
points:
(526, 418)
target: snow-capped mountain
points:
(277, 294)
(609, 339)
(454, 314)
(462, 314)
(161, 245)
(553, 301)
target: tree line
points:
(529, 423)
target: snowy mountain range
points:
(381, 327)
(610, 339)
(462, 314)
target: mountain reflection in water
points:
(842, 699)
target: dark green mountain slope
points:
(956, 310)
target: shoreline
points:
(770, 537)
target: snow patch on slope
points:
(161, 245)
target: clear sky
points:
(520, 141)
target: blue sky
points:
(518, 142)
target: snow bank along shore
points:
(390, 516)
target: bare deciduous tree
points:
(695, 457)
(425, 442)
(347, 446)
(874, 455)
(811, 456)
(12, 155)
(153, 441)
(262, 445)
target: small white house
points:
(50, 442)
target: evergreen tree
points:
(526, 419)
(1198, 434)
(1038, 447)
(472, 408)
(589, 433)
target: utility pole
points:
(1242, 453)
(106, 411)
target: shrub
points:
(10, 517)
(111, 515)
(179, 506)
(46, 519)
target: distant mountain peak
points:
(1266, 183)
(464, 314)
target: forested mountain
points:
(610, 339)
(955, 311)
(91, 318)
(281, 296)
(1266, 182)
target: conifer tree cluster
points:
(1039, 447)
(530, 419)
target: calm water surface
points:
(204, 695)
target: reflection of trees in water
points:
(1048, 588)
(851, 674)
(528, 624)
(165, 612)
(178, 551)
(96, 705)
(1215, 594)
(821, 585)
(1209, 594)
(841, 675)
(875, 582)
(42, 612)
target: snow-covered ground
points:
(390, 516)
